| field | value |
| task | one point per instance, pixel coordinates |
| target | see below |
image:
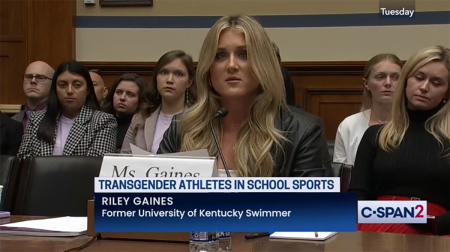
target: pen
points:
(256, 235)
(316, 234)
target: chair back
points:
(57, 185)
(346, 176)
(330, 145)
(342, 171)
(9, 172)
(336, 169)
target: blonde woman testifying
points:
(261, 137)
(172, 91)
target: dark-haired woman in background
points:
(72, 124)
(171, 92)
(123, 100)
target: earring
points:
(210, 83)
(444, 101)
(187, 95)
(157, 96)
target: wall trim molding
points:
(267, 21)
(10, 108)
(296, 68)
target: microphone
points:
(220, 114)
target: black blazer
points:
(305, 156)
(288, 86)
(11, 132)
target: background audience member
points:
(380, 80)
(288, 83)
(408, 158)
(172, 91)
(123, 101)
(72, 123)
(260, 137)
(99, 85)
(11, 132)
(36, 85)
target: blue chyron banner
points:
(233, 212)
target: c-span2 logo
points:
(392, 211)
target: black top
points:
(417, 168)
(304, 155)
(288, 86)
(11, 132)
(123, 123)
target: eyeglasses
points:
(39, 77)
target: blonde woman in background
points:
(261, 137)
(408, 158)
(172, 91)
(381, 75)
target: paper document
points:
(196, 153)
(62, 226)
(5, 214)
(303, 235)
(138, 151)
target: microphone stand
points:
(218, 148)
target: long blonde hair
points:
(367, 95)
(257, 136)
(438, 125)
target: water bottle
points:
(203, 242)
(224, 241)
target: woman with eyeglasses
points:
(72, 124)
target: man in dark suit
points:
(288, 83)
(11, 132)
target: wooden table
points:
(348, 242)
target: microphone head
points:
(222, 112)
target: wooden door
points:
(13, 50)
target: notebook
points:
(322, 236)
(61, 226)
(4, 214)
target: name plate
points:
(126, 166)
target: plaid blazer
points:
(94, 133)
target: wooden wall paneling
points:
(111, 71)
(12, 50)
(12, 59)
(332, 98)
(333, 107)
(32, 30)
(12, 20)
(330, 90)
(51, 31)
